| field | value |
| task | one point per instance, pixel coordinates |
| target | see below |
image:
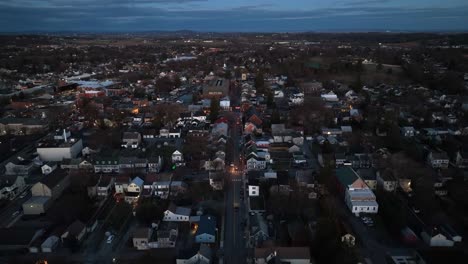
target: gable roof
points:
(206, 225)
(137, 181)
(55, 177)
(76, 228)
(346, 176)
(179, 210)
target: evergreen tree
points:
(260, 82)
(214, 109)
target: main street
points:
(234, 240)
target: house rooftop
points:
(54, 178)
(346, 176)
(207, 225)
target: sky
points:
(233, 15)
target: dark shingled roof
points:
(346, 176)
(52, 179)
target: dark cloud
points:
(137, 15)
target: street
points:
(234, 241)
(6, 214)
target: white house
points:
(177, 157)
(438, 159)
(134, 189)
(437, 239)
(48, 167)
(361, 201)
(225, 103)
(176, 214)
(256, 164)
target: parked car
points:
(110, 239)
(15, 214)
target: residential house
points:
(441, 236)
(360, 160)
(361, 201)
(438, 159)
(461, 159)
(91, 186)
(387, 180)
(177, 188)
(258, 230)
(174, 133)
(141, 238)
(48, 167)
(357, 195)
(256, 163)
(75, 164)
(103, 164)
(347, 178)
(177, 214)
(206, 230)
(19, 166)
(121, 184)
(149, 133)
(177, 157)
(133, 191)
(22, 126)
(340, 159)
(161, 189)
(37, 205)
(50, 244)
(131, 140)
(225, 103)
(52, 185)
(11, 186)
(216, 180)
(166, 235)
(408, 131)
(256, 204)
(369, 176)
(404, 256)
(155, 164)
(104, 186)
(164, 132)
(76, 231)
(292, 255)
(201, 254)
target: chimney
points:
(65, 135)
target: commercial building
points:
(59, 149)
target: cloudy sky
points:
(233, 15)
